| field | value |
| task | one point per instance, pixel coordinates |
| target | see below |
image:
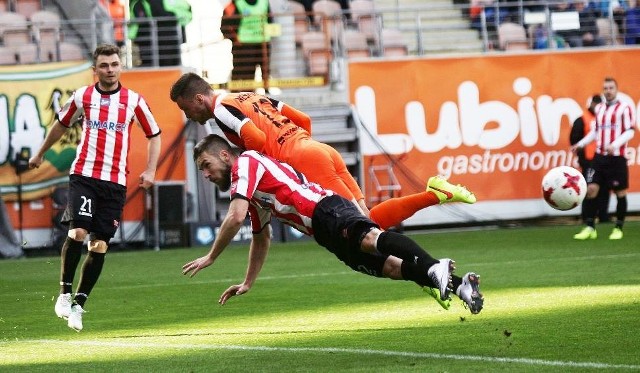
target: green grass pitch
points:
(551, 304)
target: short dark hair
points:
(596, 99)
(212, 144)
(105, 50)
(189, 85)
(610, 79)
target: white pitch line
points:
(321, 274)
(567, 259)
(231, 280)
(358, 351)
(189, 281)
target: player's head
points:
(214, 157)
(193, 96)
(610, 89)
(593, 101)
(107, 66)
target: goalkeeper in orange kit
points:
(257, 122)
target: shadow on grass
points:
(603, 338)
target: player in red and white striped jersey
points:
(98, 175)
(264, 187)
(107, 120)
(283, 193)
(615, 126)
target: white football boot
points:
(63, 306)
(469, 292)
(75, 318)
(440, 275)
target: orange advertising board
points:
(493, 123)
(154, 85)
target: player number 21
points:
(85, 201)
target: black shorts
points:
(611, 172)
(340, 227)
(94, 205)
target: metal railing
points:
(426, 29)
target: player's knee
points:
(592, 190)
(392, 268)
(77, 234)
(98, 246)
(369, 241)
(621, 193)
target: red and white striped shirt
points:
(275, 188)
(612, 120)
(106, 130)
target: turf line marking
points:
(233, 280)
(189, 282)
(357, 351)
(544, 260)
(323, 274)
(340, 273)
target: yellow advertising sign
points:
(250, 84)
(29, 99)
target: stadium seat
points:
(27, 53)
(7, 56)
(328, 16)
(300, 20)
(46, 20)
(355, 44)
(27, 7)
(46, 30)
(71, 52)
(512, 36)
(363, 14)
(14, 29)
(317, 52)
(393, 44)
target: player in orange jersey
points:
(256, 122)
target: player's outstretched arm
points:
(147, 178)
(301, 119)
(252, 137)
(258, 251)
(230, 226)
(56, 132)
(194, 266)
(588, 138)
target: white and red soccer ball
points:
(564, 188)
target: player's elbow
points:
(305, 118)
(257, 143)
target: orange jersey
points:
(255, 122)
(589, 121)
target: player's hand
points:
(195, 266)
(146, 180)
(231, 291)
(35, 161)
(574, 148)
(609, 149)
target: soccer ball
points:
(564, 188)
